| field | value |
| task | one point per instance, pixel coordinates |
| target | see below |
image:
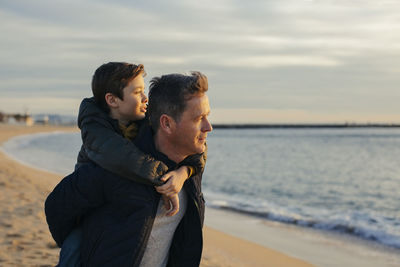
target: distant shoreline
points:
(324, 125)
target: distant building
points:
(17, 119)
(43, 120)
(29, 121)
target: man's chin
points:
(201, 148)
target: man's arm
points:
(72, 198)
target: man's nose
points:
(207, 126)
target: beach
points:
(26, 240)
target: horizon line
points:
(304, 125)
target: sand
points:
(26, 241)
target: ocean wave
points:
(363, 227)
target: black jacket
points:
(101, 135)
(117, 214)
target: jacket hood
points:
(89, 110)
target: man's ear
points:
(111, 100)
(167, 123)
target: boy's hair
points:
(168, 95)
(112, 78)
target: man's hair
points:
(168, 94)
(112, 78)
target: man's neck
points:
(167, 148)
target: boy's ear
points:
(111, 100)
(167, 123)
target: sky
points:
(286, 61)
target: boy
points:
(109, 122)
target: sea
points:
(344, 180)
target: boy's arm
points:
(119, 155)
(71, 199)
(175, 179)
(195, 162)
(104, 146)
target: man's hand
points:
(171, 204)
(175, 179)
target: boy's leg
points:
(71, 249)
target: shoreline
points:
(21, 158)
(318, 247)
(304, 125)
(349, 232)
(27, 241)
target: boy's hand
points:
(175, 179)
(171, 204)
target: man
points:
(123, 222)
(109, 122)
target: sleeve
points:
(196, 163)
(104, 146)
(72, 198)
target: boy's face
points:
(134, 105)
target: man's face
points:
(191, 130)
(133, 107)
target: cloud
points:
(280, 60)
(272, 49)
(116, 29)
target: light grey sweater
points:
(157, 250)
